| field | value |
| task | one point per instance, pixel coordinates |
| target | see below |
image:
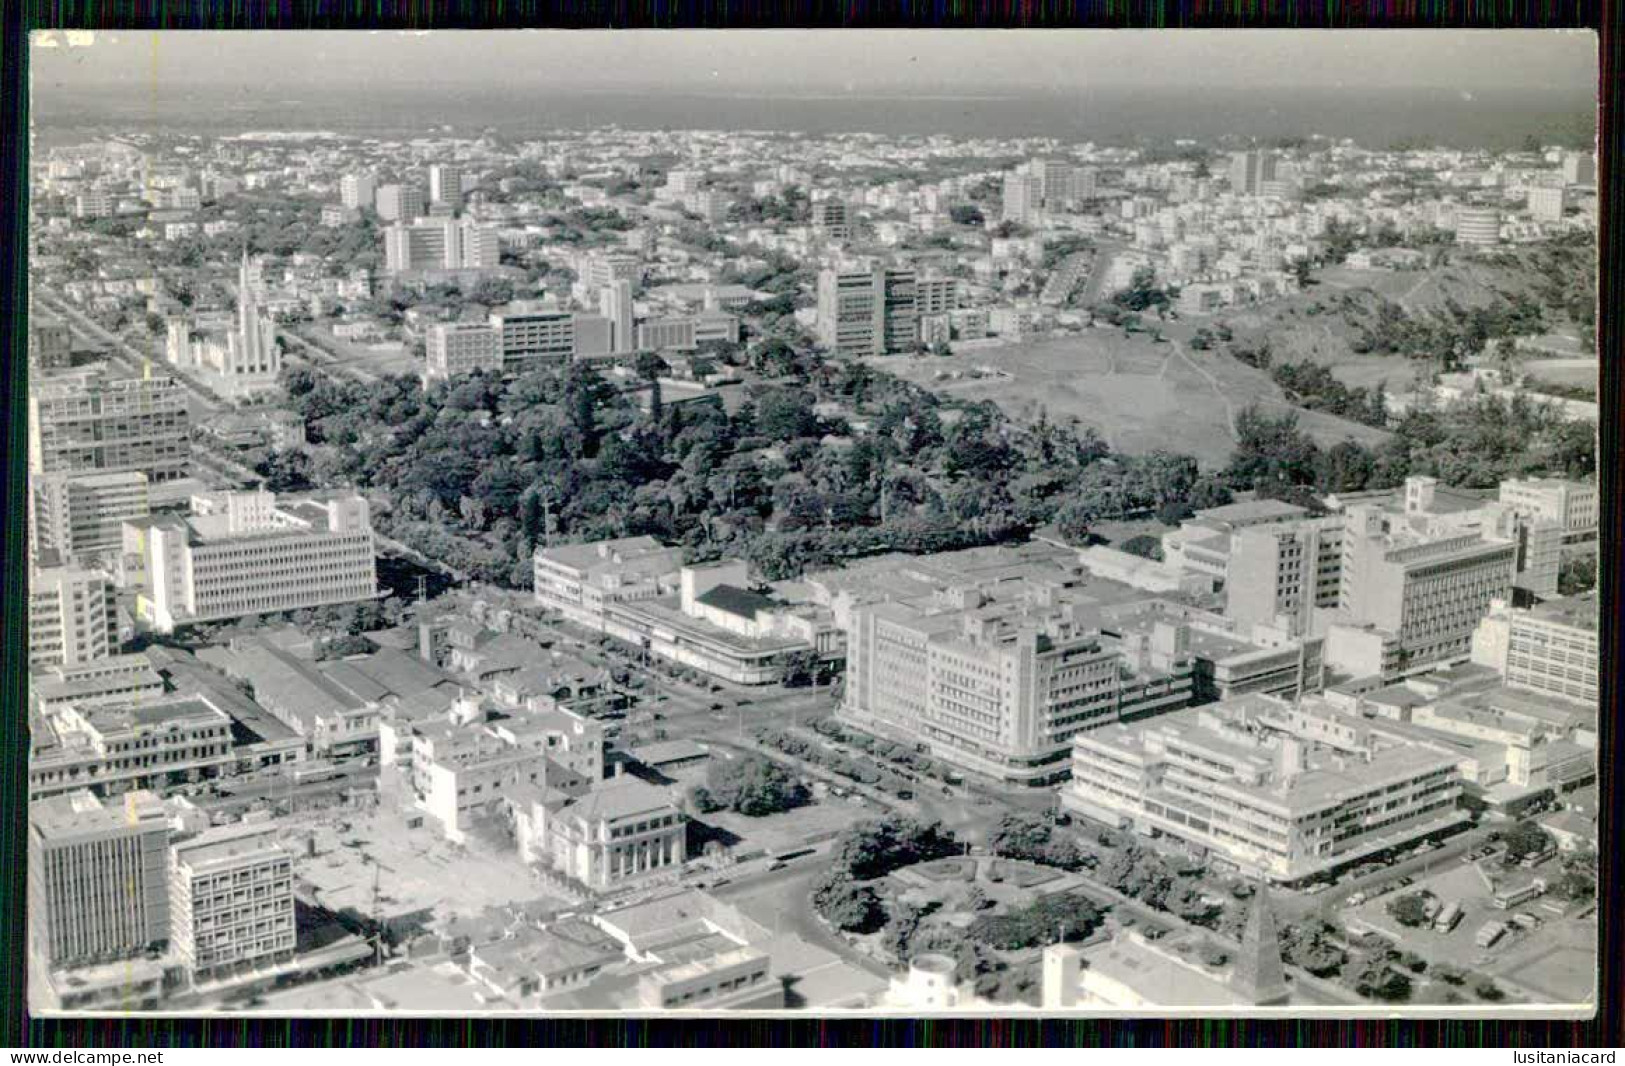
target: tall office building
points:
(446, 185)
(399, 203)
(97, 878)
(1055, 178)
(72, 617)
(1478, 226)
(1277, 574)
(1546, 204)
(1579, 168)
(95, 423)
(1425, 590)
(445, 243)
(615, 304)
(1249, 171)
(358, 190)
(994, 662)
(1023, 196)
(231, 901)
(454, 348)
(242, 553)
(868, 311)
(832, 219)
(77, 515)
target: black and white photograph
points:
(813, 522)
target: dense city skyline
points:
(487, 556)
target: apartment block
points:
(93, 423)
(437, 244)
(242, 553)
(446, 185)
(74, 516)
(358, 190)
(1478, 226)
(1551, 648)
(1023, 198)
(1250, 171)
(832, 219)
(399, 203)
(1273, 788)
(1202, 543)
(231, 902)
(615, 304)
(97, 878)
(462, 768)
(72, 617)
(451, 349)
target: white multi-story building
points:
(72, 617)
(242, 553)
(93, 423)
(581, 580)
(444, 243)
(534, 335)
(75, 516)
(145, 744)
(994, 663)
(454, 348)
(868, 311)
(446, 185)
(358, 190)
(1570, 504)
(1423, 587)
(98, 890)
(399, 203)
(231, 902)
(1546, 203)
(1478, 226)
(615, 304)
(1023, 197)
(1276, 789)
(1551, 648)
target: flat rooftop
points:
(1580, 612)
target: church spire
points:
(1259, 977)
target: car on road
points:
(716, 706)
(1406, 882)
(1356, 899)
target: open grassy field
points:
(1576, 373)
(1137, 394)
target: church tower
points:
(1259, 978)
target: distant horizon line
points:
(925, 93)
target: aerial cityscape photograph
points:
(866, 522)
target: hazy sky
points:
(798, 61)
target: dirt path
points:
(1213, 383)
